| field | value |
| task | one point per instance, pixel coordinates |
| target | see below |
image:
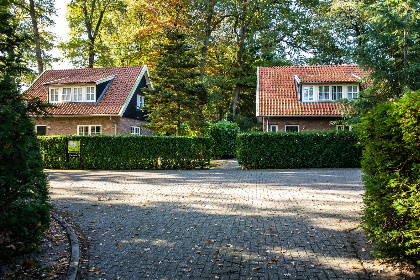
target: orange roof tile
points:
(277, 90)
(111, 102)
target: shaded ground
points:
(221, 223)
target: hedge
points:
(315, 149)
(128, 152)
(391, 165)
(223, 134)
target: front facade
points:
(93, 100)
(298, 98)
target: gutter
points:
(116, 126)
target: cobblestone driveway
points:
(222, 223)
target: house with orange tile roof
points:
(298, 98)
(93, 100)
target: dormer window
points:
(54, 95)
(352, 92)
(90, 93)
(308, 93)
(66, 97)
(337, 92)
(72, 94)
(77, 94)
(324, 92)
(328, 92)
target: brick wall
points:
(126, 124)
(68, 125)
(305, 123)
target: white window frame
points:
(352, 92)
(54, 95)
(291, 125)
(89, 129)
(308, 93)
(77, 94)
(66, 94)
(274, 128)
(135, 130)
(90, 94)
(335, 94)
(324, 93)
(140, 102)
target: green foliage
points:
(313, 149)
(128, 152)
(224, 135)
(95, 33)
(391, 166)
(24, 208)
(390, 47)
(177, 98)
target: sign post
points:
(73, 150)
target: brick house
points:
(297, 98)
(92, 100)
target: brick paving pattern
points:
(221, 223)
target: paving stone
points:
(221, 223)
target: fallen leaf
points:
(256, 268)
(275, 259)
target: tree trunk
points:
(208, 31)
(36, 37)
(240, 64)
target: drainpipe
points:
(268, 127)
(110, 117)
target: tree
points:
(34, 18)
(88, 21)
(390, 133)
(178, 98)
(24, 210)
(390, 49)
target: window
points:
(135, 130)
(54, 95)
(274, 128)
(41, 130)
(337, 92)
(324, 92)
(352, 91)
(89, 129)
(308, 93)
(90, 94)
(291, 128)
(66, 94)
(140, 101)
(78, 94)
(343, 127)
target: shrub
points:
(24, 209)
(312, 149)
(224, 135)
(128, 152)
(391, 166)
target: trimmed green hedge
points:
(224, 135)
(313, 149)
(390, 133)
(128, 152)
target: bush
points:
(24, 209)
(223, 134)
(128, 152)
(313, 149)
(391, 166)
